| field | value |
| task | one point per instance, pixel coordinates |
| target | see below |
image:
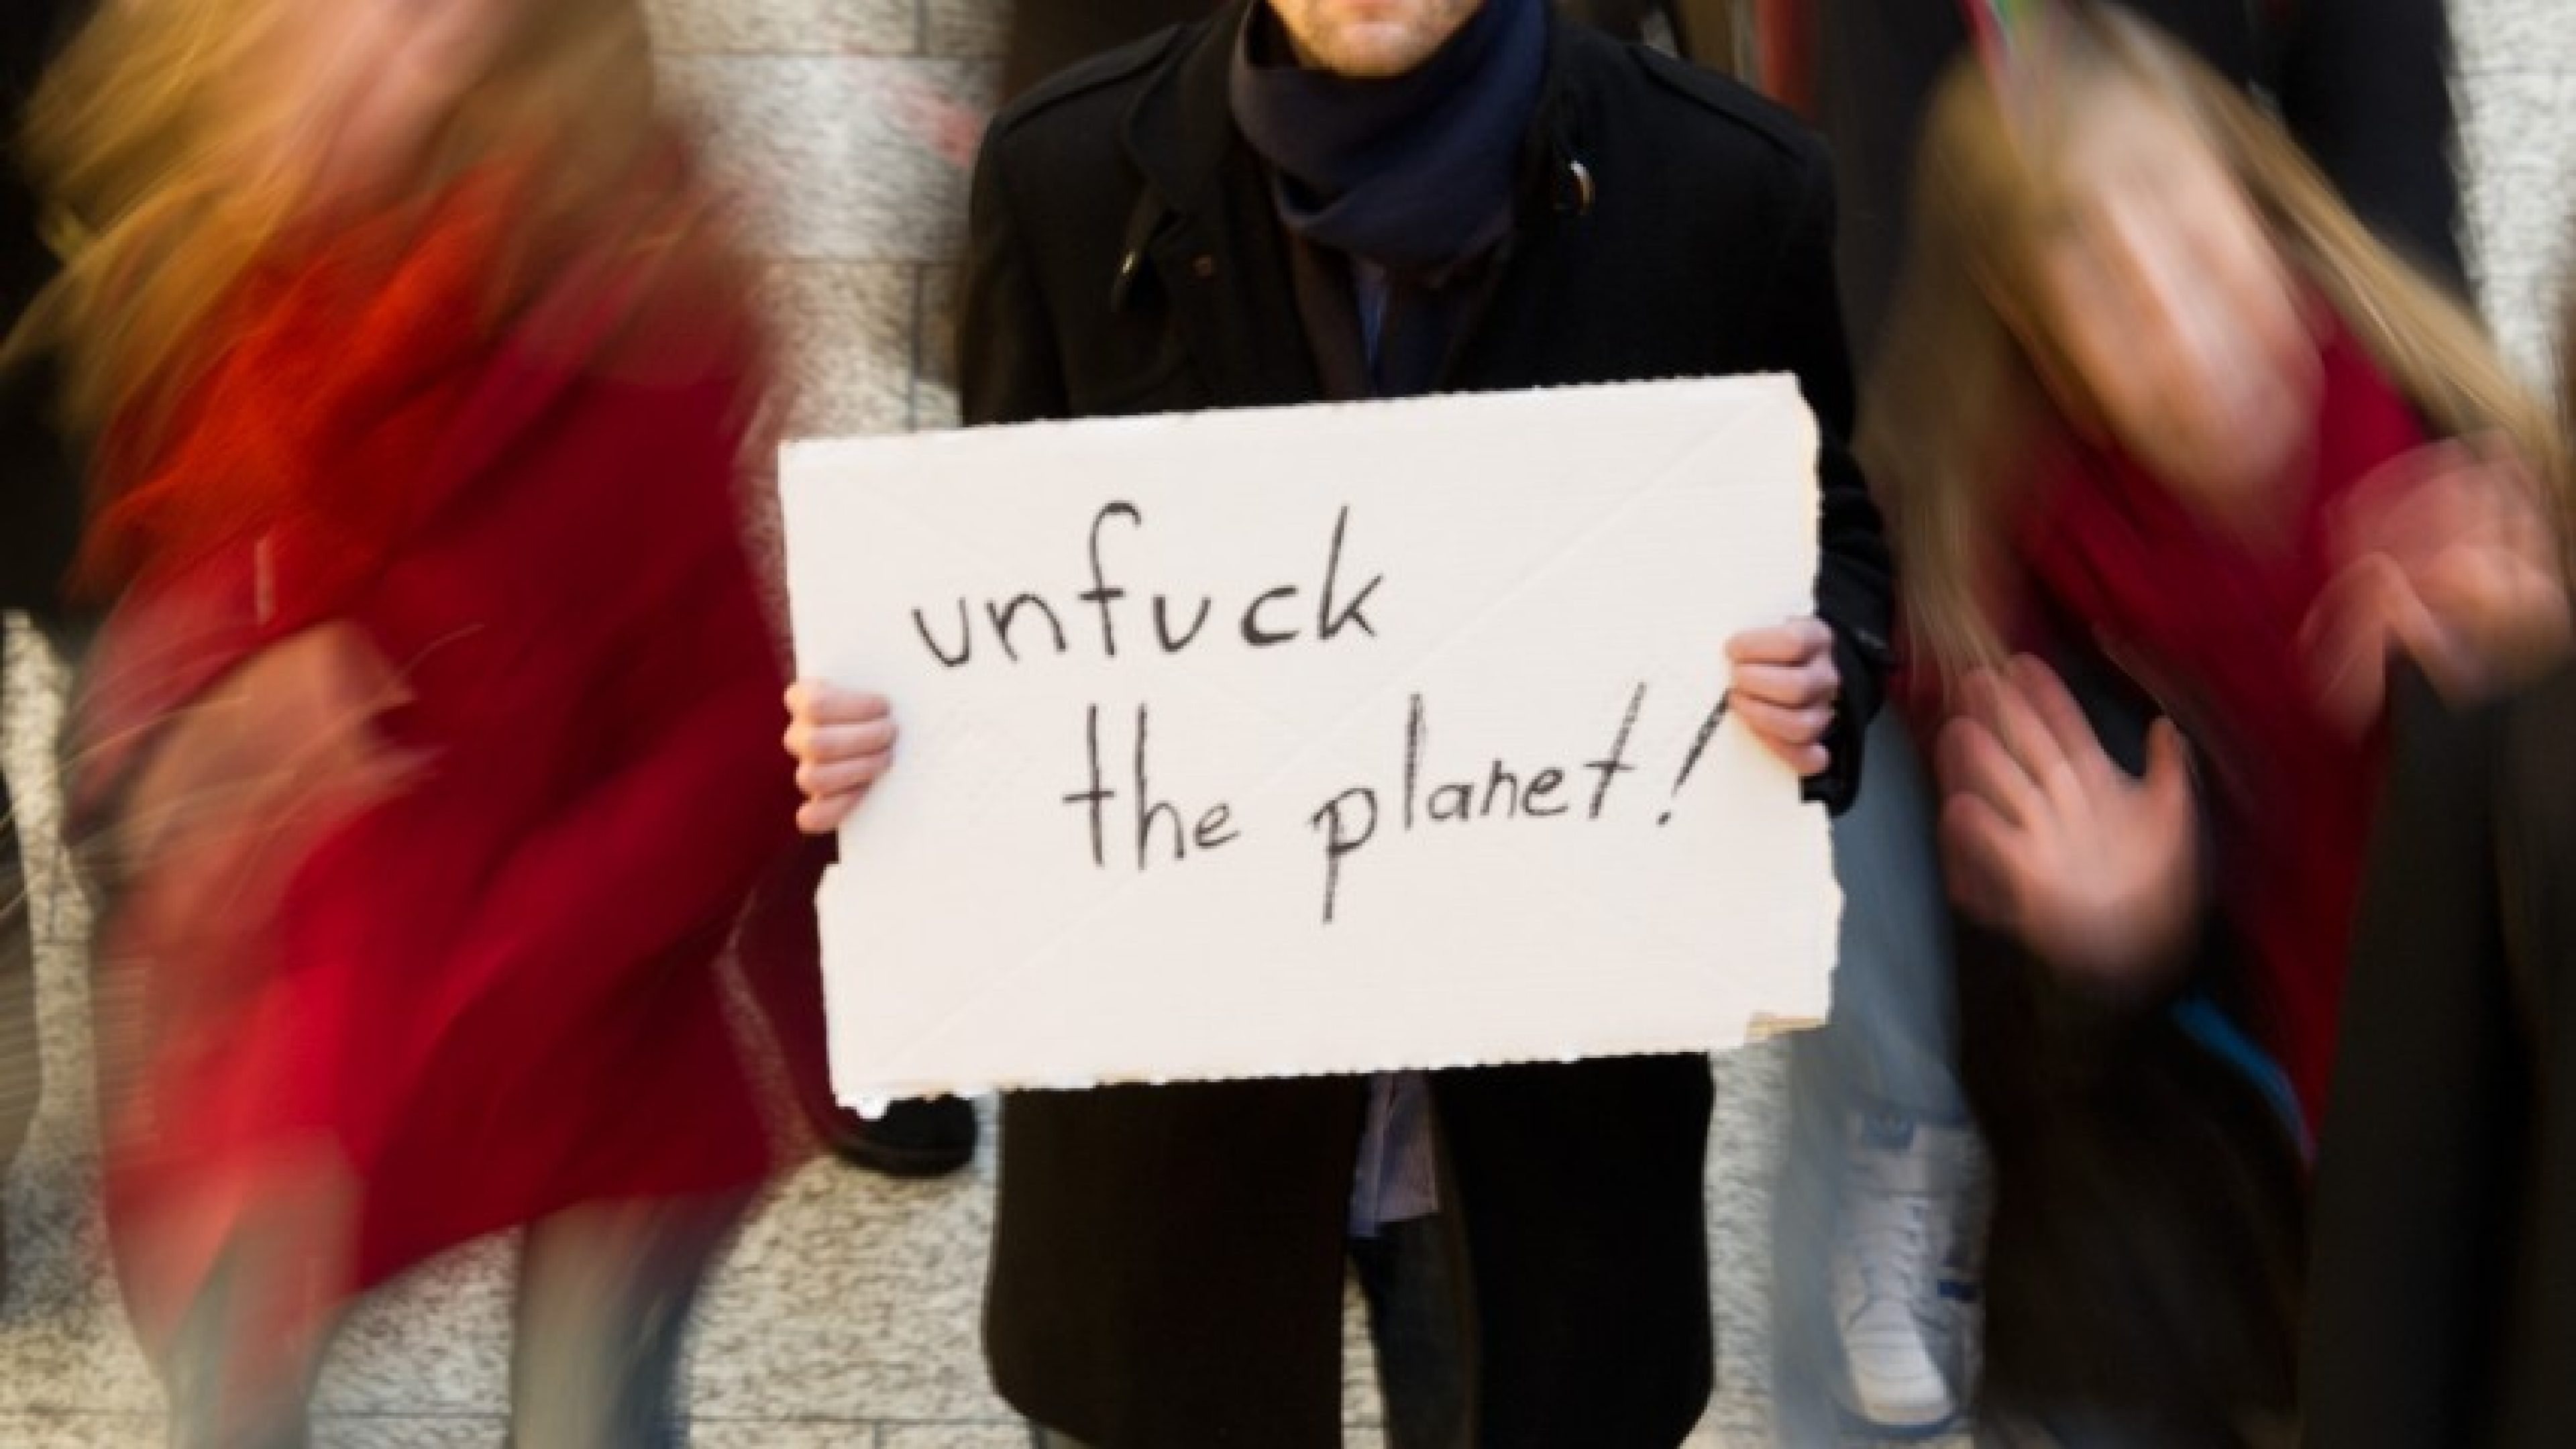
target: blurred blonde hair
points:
(165, 186)
(1957, 398)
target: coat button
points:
(1203, 267)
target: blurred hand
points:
(253, 774)
(2450, 556)
(2045, 836)
(1785, 688)
(843, 742)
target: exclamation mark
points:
(1699, 747)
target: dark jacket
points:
(2443, 1307)
(40, 484)
(2363, 84)
(1168, 1263)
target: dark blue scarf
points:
(1416, 173)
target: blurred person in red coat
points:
(429, 752)
(2183, 464)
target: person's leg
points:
(21, 1065)
(21, 1070)
(232, 1382)
(1582, 1196)
(1413, 1276)
(1169, 1263)
(605, 1294)
(1876, 1225)
(1893, 1041)
(21, 1053)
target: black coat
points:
(40, 483)
(1168, 1263)
(2363, 84)
(2443, 1301)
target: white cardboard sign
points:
(1311, 741)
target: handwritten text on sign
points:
(1332, 739)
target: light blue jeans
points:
(1892, 1043)
(1888, 1056)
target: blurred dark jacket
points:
(2364, 85)
(40, 482)
(2443, 1306)
(2146, 1251)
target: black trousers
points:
(1422, 1322)
(1156, 1286)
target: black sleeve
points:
(2365, 85)
(1856, 577)
(2414, 1189)
(1008, 365)
(40, 479)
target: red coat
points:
(494, 994)
(2109, 564)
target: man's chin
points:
(1375, 50)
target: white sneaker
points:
(1903, 1276)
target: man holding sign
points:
(1330, 200)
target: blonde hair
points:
(1957, 396)
(165, 189)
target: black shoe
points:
(913, 1139)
